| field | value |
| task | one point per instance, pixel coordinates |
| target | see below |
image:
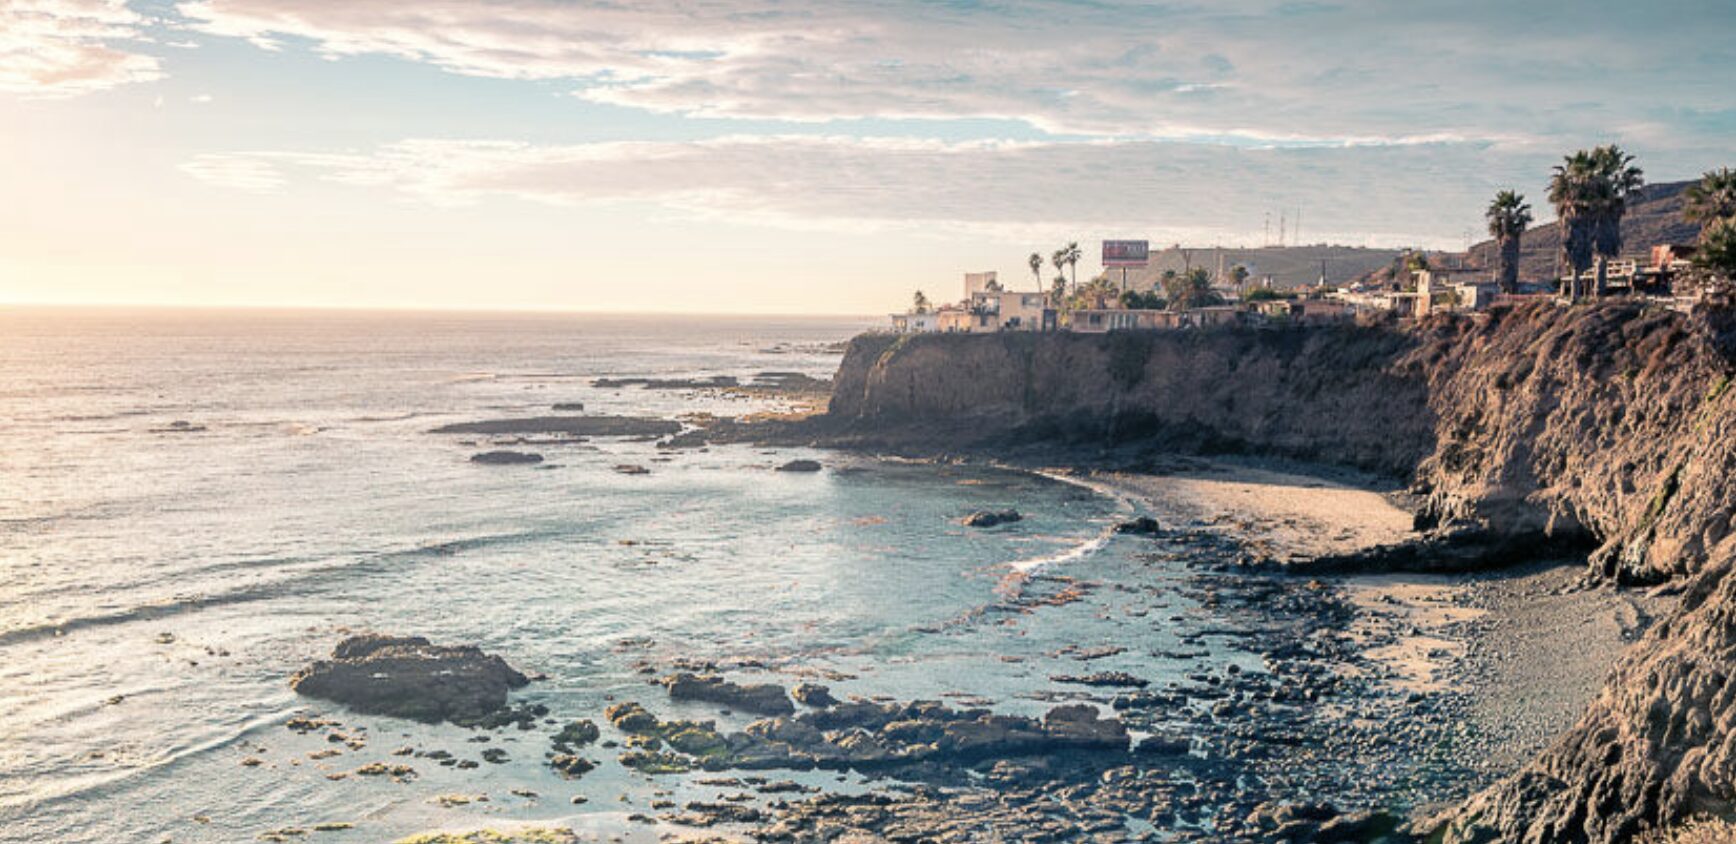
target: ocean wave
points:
(1124, 508)
(299, 582)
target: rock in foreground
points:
(408, 677)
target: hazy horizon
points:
(756, 157)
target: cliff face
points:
(1609, 422)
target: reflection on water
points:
(197, 504)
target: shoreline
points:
(1517, 652)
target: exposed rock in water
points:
(1116, 679)
(991, 518)
(811, 694)
(506, 458)
(578, 426)
(569, 407)
(407, 677)
(706, 382)
(761, 699)
(631, 469)
(1142, 526)
(800, 466)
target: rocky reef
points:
(1607, 427)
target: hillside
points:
(1653, 218)
(1289, 266)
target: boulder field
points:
(1607, 427)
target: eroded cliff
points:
(1611, 423)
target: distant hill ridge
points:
(1654, 217)
(1289, 266)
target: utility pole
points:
(1268, 239)
(1283, 218)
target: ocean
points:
(198, 503)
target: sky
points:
(771, 156)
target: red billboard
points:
(1126, 253)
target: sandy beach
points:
(1519, 652)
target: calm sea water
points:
(195, 504)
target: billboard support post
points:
(1124, 254)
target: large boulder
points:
(408, 677)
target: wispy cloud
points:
(1253, 71)
(1002, 189)
(53, 48)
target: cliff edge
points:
(1609, 424)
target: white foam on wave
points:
(1124, 508)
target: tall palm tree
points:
(1059, 259)
(1035, 262)
(1712, 199)
(1071, 254)
(1508, 215)
(1589, 190)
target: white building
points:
(916, 323)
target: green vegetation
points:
(1508, 215)
(1035, 262)
(1717, 252)
(1590, 190)
(1193, 290)
(1713, 202)
(1266, 294)
(1661, 499)
(1134, 300)
(1713, 199)
(1718, 388)
(919, 303)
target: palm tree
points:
(1059, 259)
(1071, 254)
(1035, 262)
(1239, 276)
(1589, 192)
(1058, 292)
(1717, 252)
(1508, 215)
(1713, 199)
(919, 303)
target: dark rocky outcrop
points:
(506, 458)
(1141, 526)
(1538, 427)
(864, 735)
(408, 677)
(991, 518)
(576, 426)
(761, 699)
(800, 466)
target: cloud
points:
(57, 48)
(1228, 71)
(1003, 189)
